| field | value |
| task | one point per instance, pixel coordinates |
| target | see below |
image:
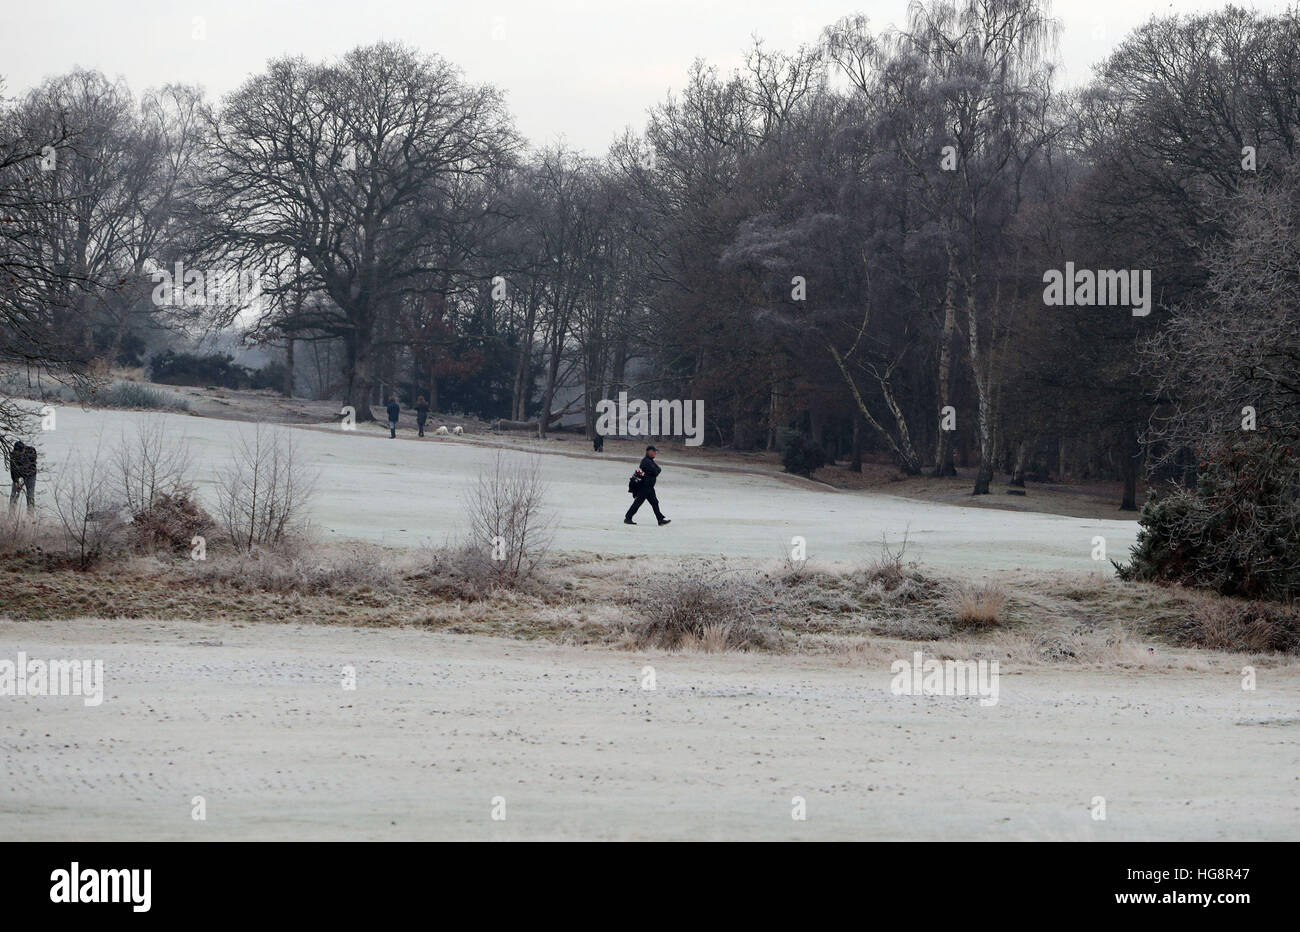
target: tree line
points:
(848, 241)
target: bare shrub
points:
(150, 462)
(507, 521)
(793, 570)
(978, 606)
(889, 569)
(172, 519)
(460, 573)
(700, 605)
(86, 508)
(263, 495)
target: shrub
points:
(463, 573)
(133, 395)
(700, 606)
(273, 376)
(173, 520)
(1237, 532)
(801, 455)
(174, 368)
(889, 571)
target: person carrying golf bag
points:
(642, 487)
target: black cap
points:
(652, 447)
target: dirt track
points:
(255, 720)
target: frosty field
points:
(255, 719)
(406, 492)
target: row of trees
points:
(849, 239)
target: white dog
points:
(441, 430)
(458, 430)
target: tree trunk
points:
(901, 446)
(548, 394)
(982, 388)
(1018, 471)
(432, 397)
(1129, 455)
(943, 464)
(358, 378)
(855, 464)
(288, 367)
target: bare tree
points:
(85, 503)
(338, 177)
(507, 517)
(264, 493)
(151, 461)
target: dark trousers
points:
(646, 496)
(420, 422)
(29, 484)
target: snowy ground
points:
(406, 492)
(255, 720)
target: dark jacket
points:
(651, 470)
(421, 413)
(394, 409)
(22, 461)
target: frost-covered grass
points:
(411, 492)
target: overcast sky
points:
(577, 70)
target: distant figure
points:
(598, 443)
(645, 489)
(394, 409)
(421, 413)
(22, 470)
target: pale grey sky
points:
(580, 70)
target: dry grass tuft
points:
(1253, 627)
(978, 606)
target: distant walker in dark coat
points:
(421, 413)
(394, 411)
(646, 489)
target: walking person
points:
(421, 413)
(645, 489)
(22, 471)
(394, 409)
